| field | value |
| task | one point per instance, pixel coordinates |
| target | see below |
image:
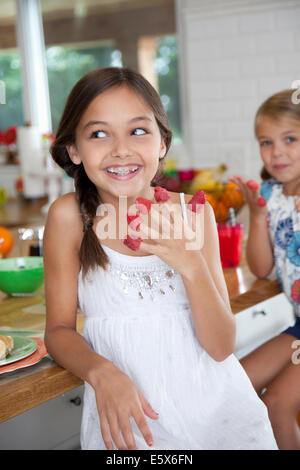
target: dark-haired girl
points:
(156, 354)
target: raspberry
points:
(197, 199)
(161, 194)
(132, 242)
(143, 205)
(134, 221)
(253, 185)
(261, 201)
(131, 217)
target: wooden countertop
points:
(29, 387)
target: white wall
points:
(233, 55)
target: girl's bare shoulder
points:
(64, 215)
(66, 206)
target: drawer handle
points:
(259, 312)
(76, 401)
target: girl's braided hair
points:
(86, 89)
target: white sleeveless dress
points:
(137, 315)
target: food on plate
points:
(6, 346)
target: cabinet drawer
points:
(261, 322)
(52, 425)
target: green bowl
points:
(21, 275)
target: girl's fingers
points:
(142, 424)
(147, 408)
(148, 233)
(253, 185)
(116, 432)
(127, 433)
(105, 431)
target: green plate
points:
(23, 347)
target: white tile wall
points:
(234, 54)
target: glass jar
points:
(31, 241)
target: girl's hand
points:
(250, 190)
(119, 399)
(166, 235)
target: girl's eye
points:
(98, 134)
(263, 143)
(139, 131)
(290, 139)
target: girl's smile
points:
(123, 173)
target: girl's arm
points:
(61, 264)
(259, 250)
(117, 396)
(208, 296)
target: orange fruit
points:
(232, 197)
(220, 212)
(210, 197)
(6, 241)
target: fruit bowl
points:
(21, 275)
(222, 197)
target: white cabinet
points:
(261, 322)
(53, 425)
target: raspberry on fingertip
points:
(253, 185)
(261, 201)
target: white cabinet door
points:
(261, 322)
(52, 425)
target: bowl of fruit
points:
(221, 195)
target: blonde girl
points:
(274, 241)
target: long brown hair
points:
(86, 89)
(275, 107)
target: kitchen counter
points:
(29, 387)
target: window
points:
(67, 64)
(158, 62)
(11, 112)
(166, 65)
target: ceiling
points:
(77, 7)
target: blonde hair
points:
(277, 106)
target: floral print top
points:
(284, 229)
